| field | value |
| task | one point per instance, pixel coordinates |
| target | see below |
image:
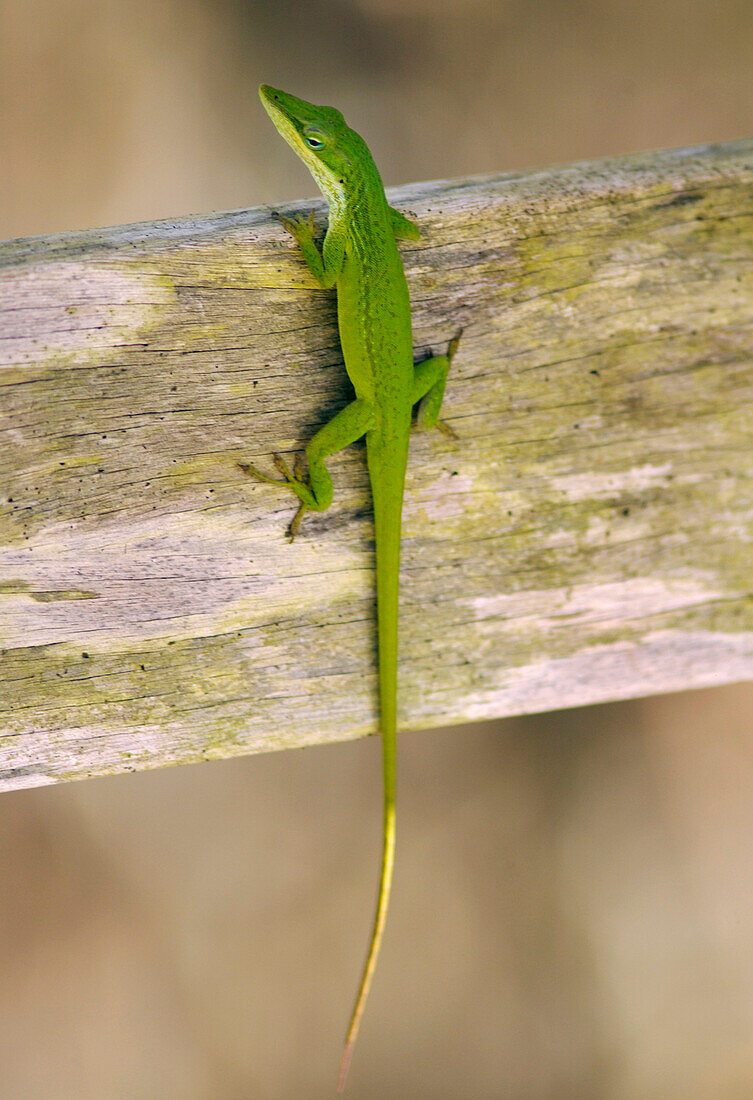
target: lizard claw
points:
(452, 347)
(283, 467)
(254, 471)
(296, 521)
(301, 229)
(299, 469)
(290, 478)
(446, 429)
(296, 476)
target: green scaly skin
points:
(360, 258)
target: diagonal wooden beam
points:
(587, 537)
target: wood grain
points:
(587, 537)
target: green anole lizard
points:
(360, 258)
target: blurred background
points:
(573, 906)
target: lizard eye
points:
(313, 141)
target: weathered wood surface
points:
(587, 537)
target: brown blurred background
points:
(573, 907)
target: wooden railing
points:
(587, 537)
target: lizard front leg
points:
(324, 265)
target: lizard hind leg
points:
(295, 481)
(429, 380)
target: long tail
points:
(383, 900)
(388, 496)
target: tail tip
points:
(345, 1064)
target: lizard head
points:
(333, 153)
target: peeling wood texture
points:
(587, 537)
